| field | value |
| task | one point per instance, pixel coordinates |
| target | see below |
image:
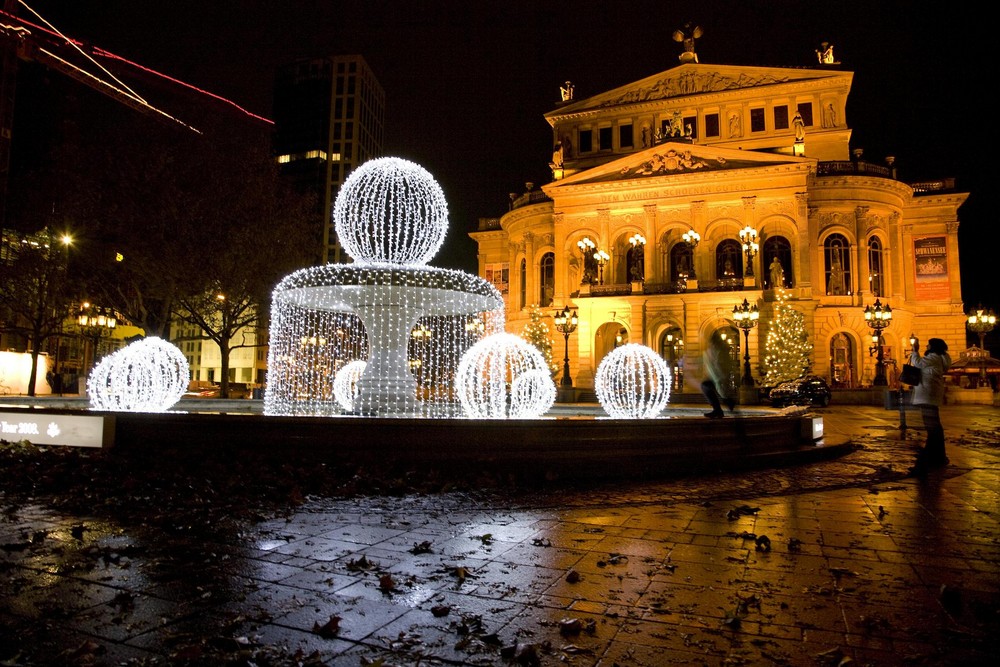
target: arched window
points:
(635, 262)
(837, 261)
(547, 280)
(778, 247)
(681, 262)
(876, 280)
(841, 361)
(729, 263)
(672, 351)
(523, 277)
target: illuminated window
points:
(875, 270)
(547, 273)
(284, 159)
(499, 274)
(837, 264)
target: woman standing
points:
(928, 396)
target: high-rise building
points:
(329, 116)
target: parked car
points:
(808, 390)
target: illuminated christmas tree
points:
(788, 351)
(536, 332)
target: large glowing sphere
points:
(345, 383)
(632, 382)
(391, 211)
(149, 375)
(532, 393)
(491, 370)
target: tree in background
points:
(787, 351)
(536, 332)
(34, 292)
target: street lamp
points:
(638, 242)
(748, 235)
(601, 258)
(746, 317)
(692, 238)
(566, 321)
(877, 318)
(95, 322)
(982, 322)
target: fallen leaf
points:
(328, 629)
(386, 583)
(572, 577)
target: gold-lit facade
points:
(659, 188)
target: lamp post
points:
(746, 317)
(566, 321)
(601, 258)
(982, 322)
(94, 322)
(748, 235)
(587, 248)
(877, 318)
(692, 238)
(638, 242)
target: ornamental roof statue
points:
(686, 36)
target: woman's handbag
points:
(910, 375)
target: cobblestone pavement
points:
(849, 561)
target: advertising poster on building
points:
(930, 253)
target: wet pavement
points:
(846, 561)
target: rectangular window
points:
(757, 120)
(604, 138)
(499, 274)
(806, 111)
(781, 117)
(586, 141)
(625, 136)
(711, 125)
(692, 123)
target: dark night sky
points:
(467, 81)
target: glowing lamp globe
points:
(149, 375)
(345, 383)
(496, 379)
(391, 211)
(632, 382)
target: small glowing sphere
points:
(149, 375)
(532, 393)
(391, 211)
(632, 382)
(489, 372)
(345, 383)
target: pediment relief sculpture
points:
(690, 83)
(671, 160)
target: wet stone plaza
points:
(844, 561)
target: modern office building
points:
(329, 116)
(675, 198)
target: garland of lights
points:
(391, 210)
(149, 375)
(345, 384)
(632, 382)
(408, 323)
(502, 377)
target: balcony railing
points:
(853, 167)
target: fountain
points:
(410, 323)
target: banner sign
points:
(54, 429)
(930, 256)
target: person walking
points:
(717, 385)
(928, 396)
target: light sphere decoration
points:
(391, 211)
(632, 382)
(345, 383)
(149, 375)
(489, 373)
(532, 393)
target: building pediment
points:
(677, 158)
(695, 79)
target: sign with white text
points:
(50, 429)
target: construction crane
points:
(31, 41)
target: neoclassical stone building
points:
(711, 152)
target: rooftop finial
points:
(686, 36)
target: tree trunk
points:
(224, 380)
